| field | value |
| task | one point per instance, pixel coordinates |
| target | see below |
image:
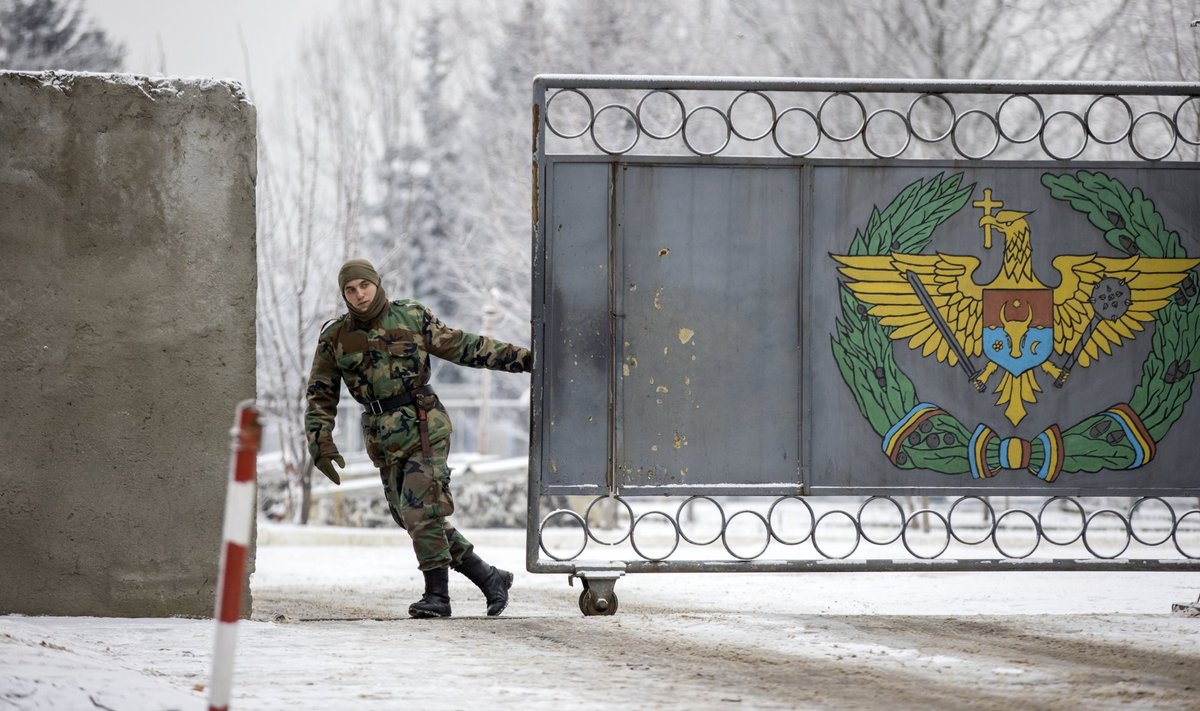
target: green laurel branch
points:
(1132, 224)
(862, 348)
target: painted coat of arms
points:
(1013, 334)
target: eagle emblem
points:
(934, 303)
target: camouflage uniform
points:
(390, 358)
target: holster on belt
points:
(423, 403)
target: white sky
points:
(200, 37)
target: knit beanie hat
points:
(362, 269)
(357, 269)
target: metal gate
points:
(789, 325)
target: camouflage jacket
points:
(387, 359)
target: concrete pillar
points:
(127, 300)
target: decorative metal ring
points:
(1178, 129)
(591, 114)
(1037, 530)
(596, 119)
(1091, 518)
(1170, 124)
(1133, 511)
(908, 133)
(633, 540)
(569, 514)
(991, 517)
(765, 133)
(1041, 118)
(913, 129)
(1175, 534)
(958, 122)
(725, 535)
(775, 132)
(1046, 124)
(863, 529)
(641, 124)
(908, 522)
(862, 111)
(812, 520)
(587, 516)
(1082, 520)
(857, 535)
(679, 520)
(1087, 119)
(728, 130)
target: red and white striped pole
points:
(239, 522)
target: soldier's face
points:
(359, 293)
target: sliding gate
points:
(787, 325)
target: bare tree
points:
(54, 34)
(311, 187)
(959, 39)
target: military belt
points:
(391, 404)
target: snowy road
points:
(329, 631)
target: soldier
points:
(381, 350)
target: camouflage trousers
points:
(418, 495)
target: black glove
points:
(325, 464)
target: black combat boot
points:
(493, 581)
(436, 600)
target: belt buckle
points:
(375, 408)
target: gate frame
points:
(599, 577)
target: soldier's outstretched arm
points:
(474, 350)
(324, 389)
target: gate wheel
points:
(590, 604)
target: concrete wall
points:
(127, 297)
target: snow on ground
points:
(330, 630)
